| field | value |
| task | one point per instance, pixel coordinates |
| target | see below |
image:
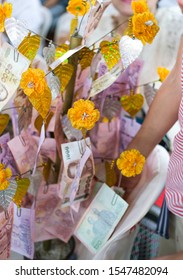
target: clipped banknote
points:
(21, 239)
(6, 156)
(129, 128)
(78, 171)
(61, 224)
(46, 202)
(100, 219)
(24, 150)
(12, 65)
(5, 232)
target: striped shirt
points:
(174, 182)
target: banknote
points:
(100, 219)
(12, 65)
(128, 129)
(6, 156)
(78, 171)
(5, 232)
(70, 132)
(21, 240)
(24, 150)
(62, 224)
(48, 148)
(46, 201)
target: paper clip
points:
(80, 146)
(114, 199)
(49, 44)
(22, 140)
(19, 212)
(16, 55)
(45, 189)
(120, 179)
(6, 214)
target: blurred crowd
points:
(40, 16)
(49, 18)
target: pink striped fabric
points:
(174, 183)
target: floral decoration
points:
(131, 163)
(143, 24)
(83, 115)
(163, 73)
(35, 87)
(145, 27)
(139, 6)
(78, 7)
(5, 175)
(5, 12)
(33, 81)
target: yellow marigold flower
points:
(5, 12)
(163, 73)
(78, 7)
(130, 163)
(5, 174)
(139, 6)
(83, 115)
(33, 82)
(145, 27)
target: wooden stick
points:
(75, 41)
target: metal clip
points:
(16, 55)
(45, 189)
(19, 212)
(114, 199)
(22, 140)
(6, 214)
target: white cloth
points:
(29, 12)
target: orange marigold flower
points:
(130, 163)
(163, 73)
(145, 27)
(33, 82)
(35, 87)
(78, 7)
(5, 174)
(140, 6)
(5, 12)
(83, 115)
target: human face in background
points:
(124, 6)
(180, 2)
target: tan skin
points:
(50, 3)
(180, 2)
(154, 126)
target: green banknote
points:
(100, 219)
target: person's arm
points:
(162, 114)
